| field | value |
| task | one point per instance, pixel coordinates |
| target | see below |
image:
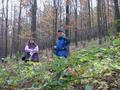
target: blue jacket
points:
(62, 47)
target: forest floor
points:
(90, 67)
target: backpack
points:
(67, 41)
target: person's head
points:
(60, 33)
(31, 43)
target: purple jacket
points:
(27, 49)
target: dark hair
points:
(31, 45)
(60, 30)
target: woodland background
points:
(83, 21)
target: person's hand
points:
(31, 53)
(55, 47)
(31, 50)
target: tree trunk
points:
(2, 29)
(60, 2)
(89, 21)
(55, 13)
(67, 18)
(11, 28)
(76, 29)
(14, 46)
(19, 26)
(6, 29)
(33, 18)
(99, 19)
(89, 12)
(117, 15)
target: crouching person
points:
(31, 52)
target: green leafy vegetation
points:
(95, 68)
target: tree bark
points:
(67, 18)
(6, 30)
(2, 28)
(99, 19)
(19, 25)
(33, 18)
(76, 29)
(117, 15)
(14, 46)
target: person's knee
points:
(35, 57)
(26, 56)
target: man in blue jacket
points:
(62, 45)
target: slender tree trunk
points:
(11, 27)
(14, 46)
(67, 18)
(2, 27)
(117, 14)
(19, 25)
(6, 30)
(99, 20)
(104, 19)
(56, 19)
(92, 20)
(89, 21)
(76, 29)
(60, 2)
(108, 14)
(55, 12)
(89, 12)
(33, 18)
(54, 25)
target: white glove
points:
(55, 47)
(31, 53)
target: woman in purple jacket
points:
(31, 51)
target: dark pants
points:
(34, 57)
